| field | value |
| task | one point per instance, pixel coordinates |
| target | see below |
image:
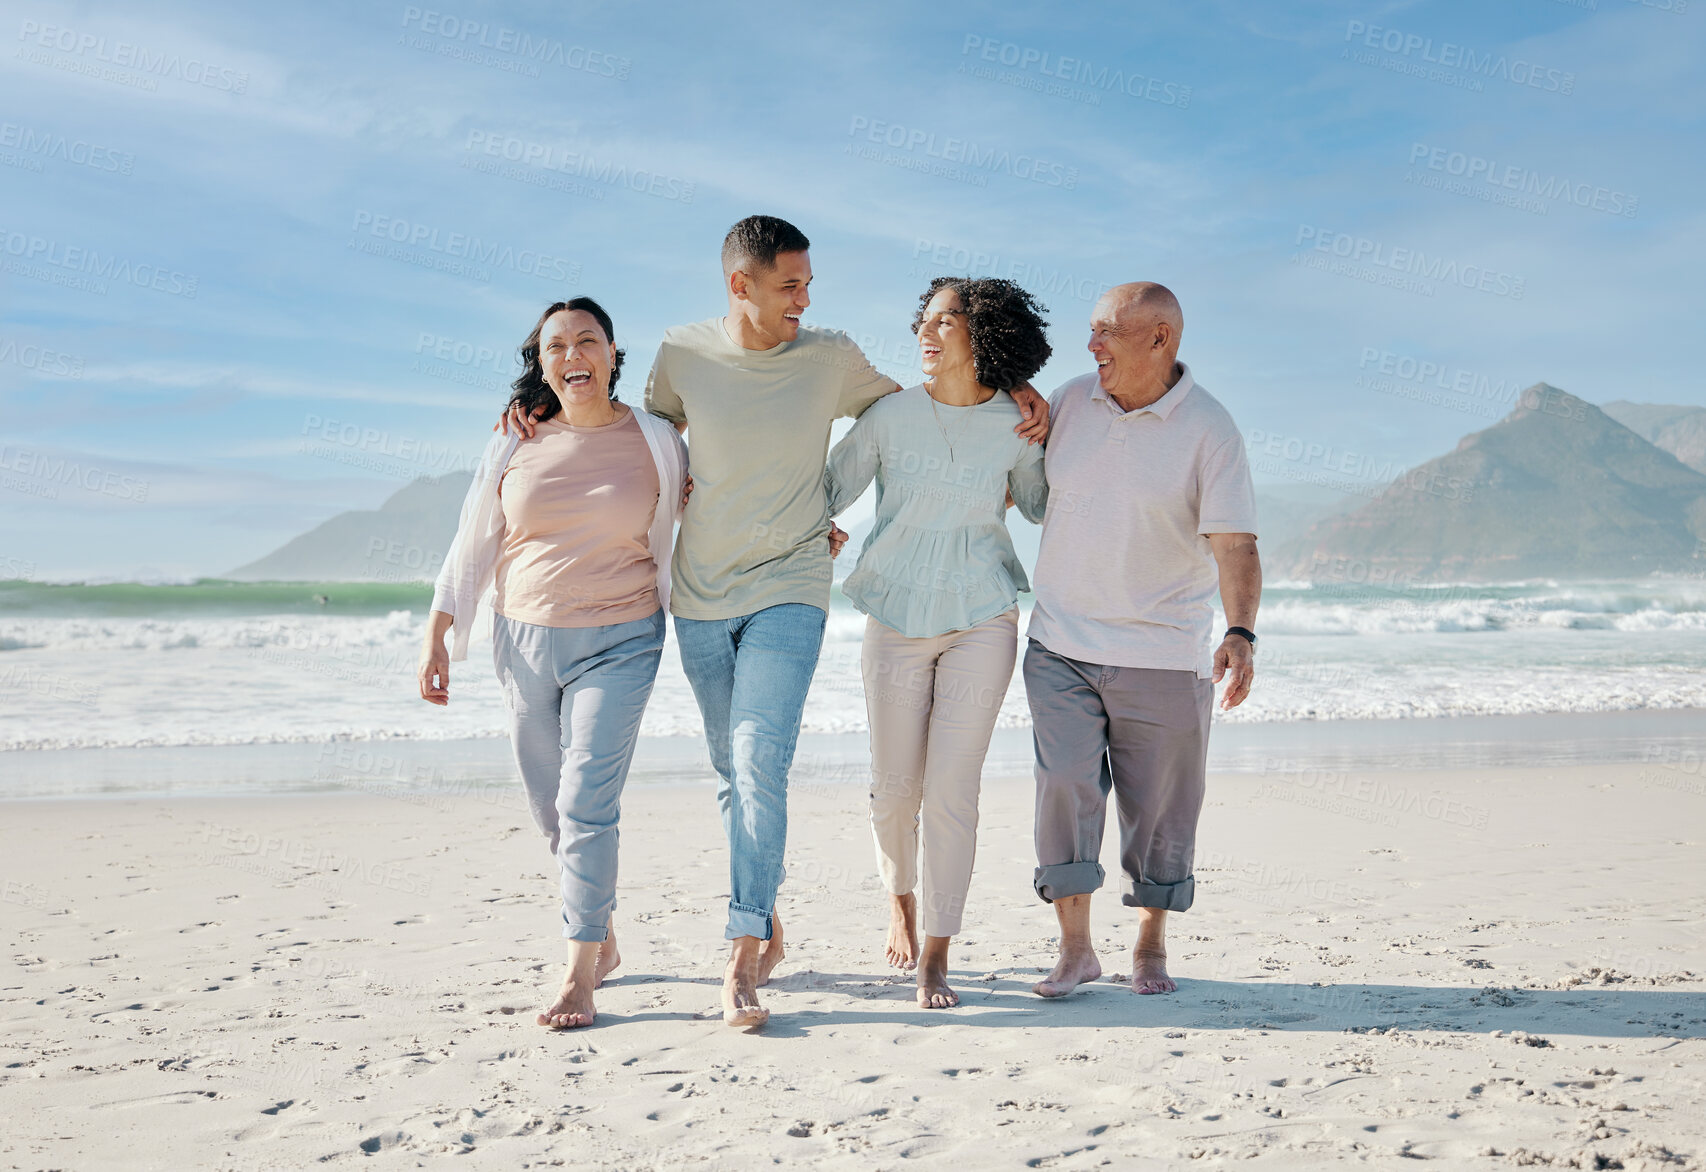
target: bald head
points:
(1144, 303)
(1134, 337)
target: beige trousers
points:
(932, 705)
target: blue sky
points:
(1295, 172)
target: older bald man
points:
(1150, 514)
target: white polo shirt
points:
(1125, 576)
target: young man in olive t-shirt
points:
(751, 573)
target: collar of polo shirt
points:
(1162, 406)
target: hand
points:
(1034, 426)
(1236, 660)
(837, 539)
(686, 489)
(434, 674)
(522, 423)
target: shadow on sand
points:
(1586, 1010)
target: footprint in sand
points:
(384, 1141)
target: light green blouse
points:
(939, 557)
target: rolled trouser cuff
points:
(1063, 879)
(1167, 897)
(585, 932)
(747, 921)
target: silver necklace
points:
(946, 438)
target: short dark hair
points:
(753, 244)
(530, 391)
(1009, 338)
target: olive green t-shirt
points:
(756, 529)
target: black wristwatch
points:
(1244, 633)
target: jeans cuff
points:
(1064, 879)
(585, 932)
(1168, 897)
(747, 921)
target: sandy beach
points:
(1487, 968)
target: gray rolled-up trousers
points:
(1140, 732)
(575, 697)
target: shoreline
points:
(430, 768)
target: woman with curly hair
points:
(573, 526)
(939, 582)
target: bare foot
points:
(772, 953)
(902, 948)
(740, 987)
(1074, 968)
(933, 991)
(573, 1007)
(609, 960)
(1149, 972)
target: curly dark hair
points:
(530, 391)
(1009, 338)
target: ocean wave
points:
(260, 700)
(212, 679)
(1452, 615)
(298, 632)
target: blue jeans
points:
(575, 698)
(750, 675)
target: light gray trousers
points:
(575, 697)
(1140, 732)
(932, 704)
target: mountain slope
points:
(1681, 431)
(1555, 489)
(401, 541)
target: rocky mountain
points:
(1681, 431)
(1285, 513)
(1558, 488)
(404, 540)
